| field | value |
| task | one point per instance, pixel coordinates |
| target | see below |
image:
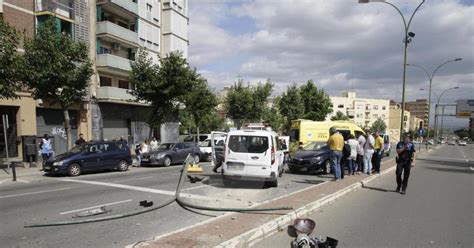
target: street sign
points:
(465, 108)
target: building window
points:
(148, 7)
(340, 106)
(383, 116)
(123, 84)
(383, 107)
(376, 107)
(105, 81)
(375, 116)
(103, 50)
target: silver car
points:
(172, 153)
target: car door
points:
(92, 159)
(178, 154)
(279, 154)
(110, 156)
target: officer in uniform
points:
(405, 160)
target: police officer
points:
(405, 160)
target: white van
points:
(253, 154)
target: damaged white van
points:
(253, 155)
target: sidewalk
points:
(244, 229)
(21, 172)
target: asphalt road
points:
(437, 210)
(44, 199)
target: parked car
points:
(254, 155)
(91, 156)
(451, 143)
(172, 153)
(462, 143)
(312, 158)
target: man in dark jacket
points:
(405, 160)
(81, 140)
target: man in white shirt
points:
(368, 152)
(360, 152)
(153, 144)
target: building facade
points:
(419, 108)
(363, 111)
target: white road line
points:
(106, 204)
(472, 168)
(131, 179)
(33, 193)
(202, 186)
(122, 186)
(4, 180)
(444, 159)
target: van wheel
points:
(122, 165)
(327, 167)
(74, 170)
(167, 161)
(273, 183)
(196, 158)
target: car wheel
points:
(293, 170)
(196, 158)
(74, 170)
(273, 183)
(122, 165)
(166, 161)
(327, 167)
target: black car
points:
(312, 158)
(172, 153)
(91, 156)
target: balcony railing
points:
(60, 7)
(113, 61)
(114, 93)
(109, 28)
(128, 5)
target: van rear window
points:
(248, 144)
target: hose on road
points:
(176, 199)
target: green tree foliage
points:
(247, 103)
(10, 66)
(378, 125)
(57, 69)
(290, 107)
(165, 87)
(273, 117)
(317, 104)
(339, 117)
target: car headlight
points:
(316, 160)
(58, 163)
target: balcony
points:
(113, 64)
(114, 93)
(115, 33)
(120, 7)
(62, 8)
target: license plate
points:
(145, 159)
(47, 167)
(303, 169)
(235, 166)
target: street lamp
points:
(436, 111)
(430, 77)
(408, 38)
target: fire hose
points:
(176, 199)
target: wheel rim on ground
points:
(196, 158)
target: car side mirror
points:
(175, 149)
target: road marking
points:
(131, 179)
(106, 204)
(444, 159)
(202, 186)
(36, 192)
(471, 168)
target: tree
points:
(340, 117)
(165, 87)
(57, 69)
(10, 63)
(290, 107)
(379, 125)
(246, 103)
(317, 104)
(273, 117)
(200, 102)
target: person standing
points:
(45, 148)
(80, 141)
(360, 152)
(368, 152)
(378, 152)
(351, 161)
(405, 160)
(144, 148)
(153, 144)
(336, 144)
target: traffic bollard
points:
(14, 172)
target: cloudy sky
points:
(339, 44)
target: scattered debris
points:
(194, 179)
(146, 203)
(233, 218)
(95, 211)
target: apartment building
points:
(363, 111)
(419, 108)
(120, 28)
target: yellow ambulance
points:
(304, 131)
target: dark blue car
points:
(91, 156)
(312, 158)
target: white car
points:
(462, 143)
(254, 155)
(206, 147)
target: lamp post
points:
(408, 38)
(436, 111)
(430, 78)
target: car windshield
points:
(206, 143)
(313, 146)
(165, 146)
(77, 149)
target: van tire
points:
(74, 170)
(122, 165)
(196, 158)
(166, 161)
(273, 183)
